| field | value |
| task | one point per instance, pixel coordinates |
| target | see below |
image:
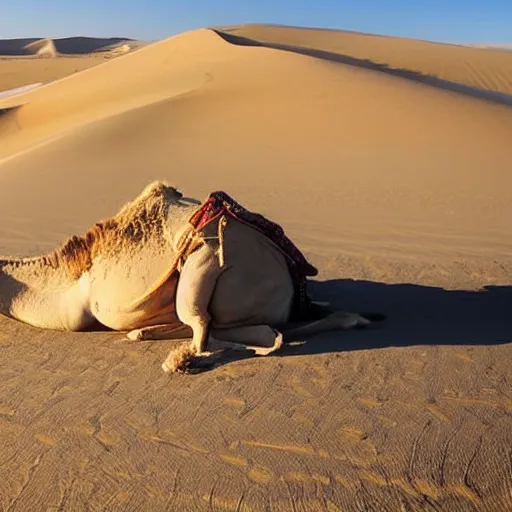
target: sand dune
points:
(488, 69)
(43, 48)
(397, 188)
(59, 46)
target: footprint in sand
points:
(369, 402)
(235, 461)
(260, 474)
(46, 440)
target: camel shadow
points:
(416, 315)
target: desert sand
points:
(24, 61)
(397, 186)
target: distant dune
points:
(25, 61)
(387, 160)
(503, 47)
(42, 47)
(61, 46)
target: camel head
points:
(159, 189)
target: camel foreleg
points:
(261, 339)
(339, 320)
(195, 289)
(176, 331)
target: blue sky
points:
(478, 21)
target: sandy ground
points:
(398, 190)
(19, 71)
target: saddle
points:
(220, 204)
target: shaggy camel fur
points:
(148, 271)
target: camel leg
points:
(195, 289)
(339, 320)
(176, 331)
(259, 340)
(262, 339)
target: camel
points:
(157, 271)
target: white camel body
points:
(148, 271)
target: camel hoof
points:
(183, 368)
(179, 360)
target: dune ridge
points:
(471, 90)
(484, 68)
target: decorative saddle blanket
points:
(219, 203)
